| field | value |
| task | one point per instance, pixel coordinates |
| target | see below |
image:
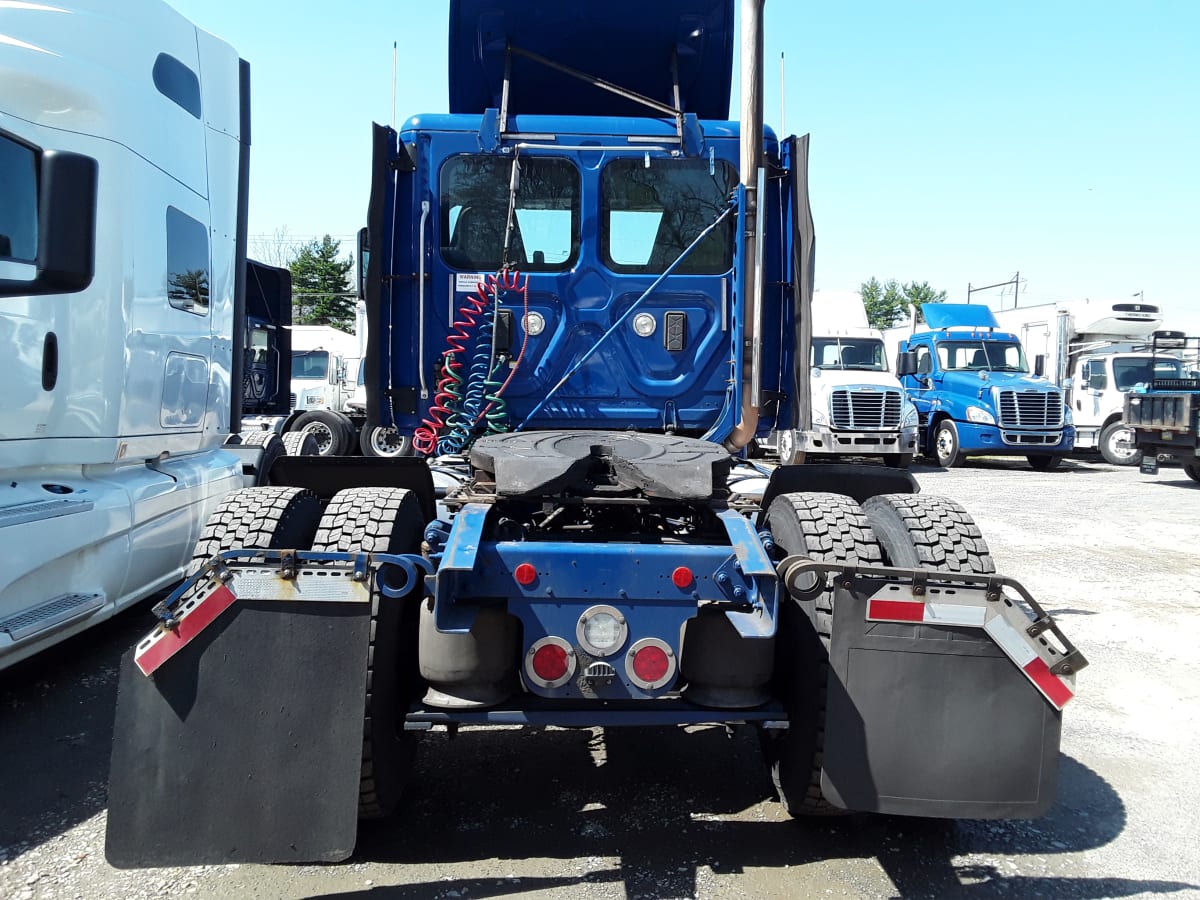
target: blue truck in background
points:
(975, 394)
(587, 290)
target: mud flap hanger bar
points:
(805, 579)
(387, 566)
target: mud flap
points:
(932, 720)
(245, 745)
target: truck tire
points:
(947, 452)
(300, 443)
(897, 460)
(259, 474)
(382, 520)
(918, 531)
(378, 440)
(1043, 462)
(1117, 446)
(326, 427)
(267, 518)
(1192, 470)
(825, 527)
(257, 437)
(349, 434)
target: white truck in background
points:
(858, 405)
(324, 362)
(123, 185)
(1096, 351)
(328, 395)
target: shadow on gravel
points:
(56, 722)
(667, 804)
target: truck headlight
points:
(315, 399)
(819, 418)
(910, 416)
(1068, 417)
(980, 416)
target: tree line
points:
(887, 303)
(321, 290)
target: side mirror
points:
(906, 362)
(1039, 365)
(364, 258)
(66, 228)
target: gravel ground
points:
(673, 813)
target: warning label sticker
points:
(465, 282)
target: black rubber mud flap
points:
(933, 721)
(246, 745)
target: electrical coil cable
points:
(425, 438)
(459, 402)
(496, 412)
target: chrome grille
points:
(1031, 409)
(865, 410)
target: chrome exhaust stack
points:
(751, 170)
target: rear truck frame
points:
(581, 540)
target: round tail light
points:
(650, 664)
(550, 662)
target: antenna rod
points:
(393, 85)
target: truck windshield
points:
(988, 356)
(1128, 372)
(848, 353)
(474, 213)
(310, 364)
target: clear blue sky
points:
(952, 142)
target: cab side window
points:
(924, 360)
(187, 263)
(18, 202)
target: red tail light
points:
(550, 662)
(650, 664)
(525, 574)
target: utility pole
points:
(1015, 281)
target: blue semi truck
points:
(587, 289)
(975, 394)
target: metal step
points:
(42, 509)
(53, 614)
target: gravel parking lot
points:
(1114, 555)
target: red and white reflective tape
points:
(1015, 644)
(970, 608)
(195, 615)
(925, 613)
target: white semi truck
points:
(858, 406)
(123, 184)
(1097, 352)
